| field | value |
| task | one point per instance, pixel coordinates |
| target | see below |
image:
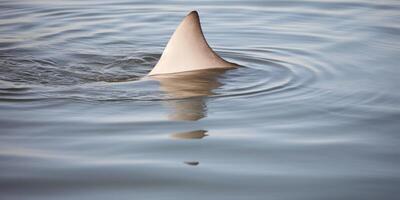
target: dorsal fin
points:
(188, 50)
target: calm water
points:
(313, 113)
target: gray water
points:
(312, 113)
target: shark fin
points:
(188, 50)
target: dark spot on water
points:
(192, 163)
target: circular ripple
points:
(263, 75)
(122, 78)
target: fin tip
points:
(193, 12)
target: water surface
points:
(313, 113)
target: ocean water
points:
(312, 113)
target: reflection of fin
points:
(188, 91)
(190, 84)
(187, 50)
(187, 109)
(198, 134)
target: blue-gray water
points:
(313, 113)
